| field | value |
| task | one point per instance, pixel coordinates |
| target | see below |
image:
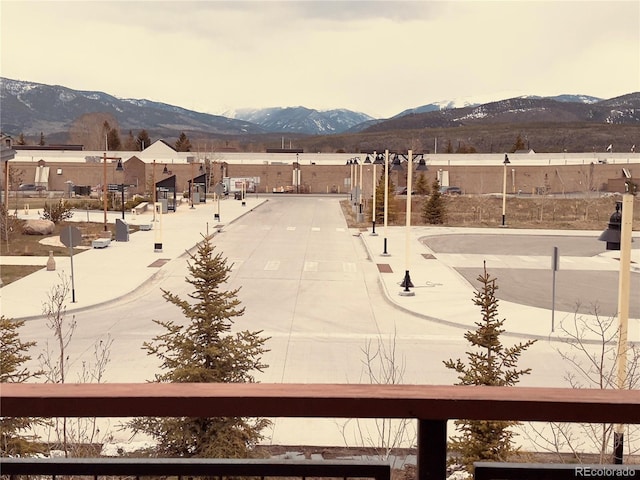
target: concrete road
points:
(309, 283)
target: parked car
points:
(30, 187)
(450, 191)
(403, 191)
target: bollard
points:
(51, 263)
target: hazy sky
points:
(376, 57)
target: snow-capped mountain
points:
(300, 119)
(468, 102)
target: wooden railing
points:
(431, 406)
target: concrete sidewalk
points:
(443, 295)
(104, 274)
(440, 294)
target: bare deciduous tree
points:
(89, 130)
(381, 366)
(589, 349)
(74, 436)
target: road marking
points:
(272, 265)
(310, 266)
(349, 267)
(315, 229)
(291, 229)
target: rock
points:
(38, 227)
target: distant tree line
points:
(100, 131)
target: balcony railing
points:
(431, 406)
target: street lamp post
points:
(406, 282)
(422, 166)
(153, 187)
(104, 186)
(296, 173)
(120, 168)
(386, 201)
(191, 187)
(373, 195)
(624, 290)
(504, 189)
(360, 211)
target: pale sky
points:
(375, 57)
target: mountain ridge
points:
(31, 108)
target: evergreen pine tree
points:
(391, 204)
(13, 355)
(41, 142)
(206, 350)
(433, 208)
(488, 363)
(421, 186)
(183, 144)
(113, 140)
(21, 140)
(519, 145)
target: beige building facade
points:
(527, 173)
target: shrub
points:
(58, 211)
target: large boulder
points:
(38, 227)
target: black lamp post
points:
(120, 168)
(504, 189)
(613, 232)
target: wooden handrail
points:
(431, 402)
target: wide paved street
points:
(315, 288)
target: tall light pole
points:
(624, 290)
(191, 187)
(104, 186)
(504, 189)
(120, 168)
(406, 282)
(422, 166)
(296, 174)
(386, 200)
(153, 189)
(376, 160)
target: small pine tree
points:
(519, 145)
(113, 140)
(433, 208)
(13, 355)
(205, 350)
(391, 215)
(41, 142)
(488, 363)
(422, 185)
(21, 140)
(183, 144)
